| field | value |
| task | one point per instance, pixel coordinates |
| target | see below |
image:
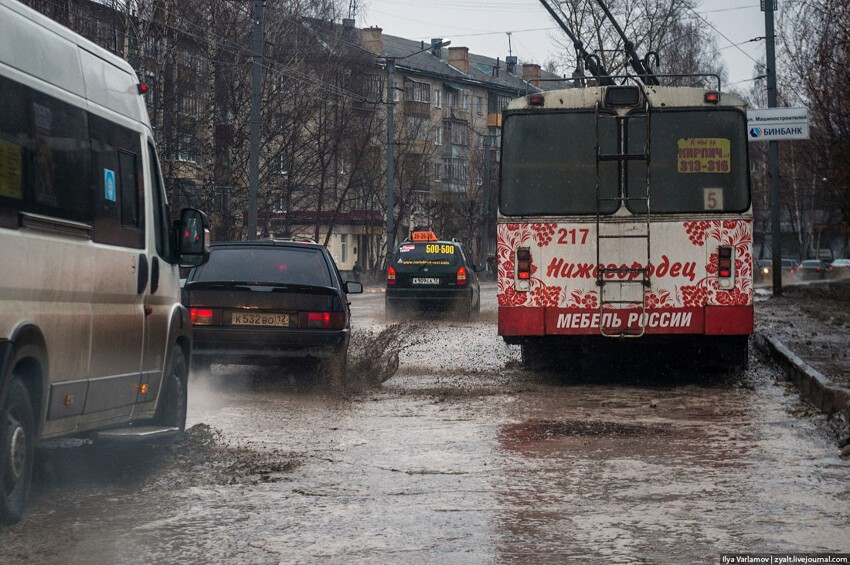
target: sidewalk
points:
(807, 331)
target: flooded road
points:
(460, 457)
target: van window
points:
(118, 192)
(165, 245)
(44, 156)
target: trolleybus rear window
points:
(698, 163)
(549, 164)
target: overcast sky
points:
(481, 25)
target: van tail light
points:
(390, 276)
(202, 316)
(523, 263)
(726, 267)
(321, 320)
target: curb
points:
(814, 387)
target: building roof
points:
(481, 68)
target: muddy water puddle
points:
(460, 457)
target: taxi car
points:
(269, 302)
(429, 274)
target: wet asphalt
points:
(460, 457)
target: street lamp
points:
(390, 62)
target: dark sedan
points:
(269, 302)
(428, 274)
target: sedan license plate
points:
(259, 319)
(426, 280)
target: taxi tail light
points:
(461, 276)
(390, 275)
(321, 320)
(523, 263)
(202, 316)
(725, 262)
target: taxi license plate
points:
(259, 319)
(426, 280)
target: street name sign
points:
(777, 124)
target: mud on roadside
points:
(813, 320)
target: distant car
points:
(840, 268)
(268, 302)
(763, 270)
(790, 266)
(812, 269)
(428, 274)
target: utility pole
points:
(773, 148)
(390, 153)
(256, 91)
(390, 62)
(485, 202)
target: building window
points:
(465, 101)
(187, 149)
(479, 105)
(438, 172)
(417, 128)
(189, 105)
(459, 133)
(343, 248)
(438, 98)
(417, 91)
(451, 98)
(438, 135)
(374, 87)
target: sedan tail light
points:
(202, 316)
(321, 320)
(461, 276)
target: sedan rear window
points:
(278, 265)
(429, 253)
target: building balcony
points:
(417, 108)
(457, 114)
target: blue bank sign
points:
(777, 124)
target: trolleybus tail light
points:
(390, 276)
(523, 264)
(726, 266)
(142, 88)
(711, 97)
(535, 100)
(461, 276)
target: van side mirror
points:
(193, 238)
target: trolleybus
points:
(624, 212)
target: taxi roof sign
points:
(423, 236)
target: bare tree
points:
(670, 28)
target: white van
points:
(93, 339)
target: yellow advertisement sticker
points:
(704, 155)
(10, 170)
